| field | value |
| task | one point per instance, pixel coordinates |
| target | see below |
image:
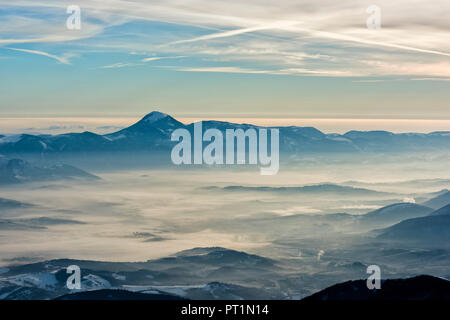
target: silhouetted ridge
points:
(422, 287)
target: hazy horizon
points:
(102, 125)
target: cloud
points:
(291, 71)
(409, 200)
(370, 81)
(321, 72)
(227, 70)
(275, 25)
(331, 37)
(160, 58)
(430, 79)
(133, 64)
(290, 26)
(63, 60)
(120, 65)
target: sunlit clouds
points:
(282, 28)
(204, 43)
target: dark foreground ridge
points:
(422, 287)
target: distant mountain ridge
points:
(315, 188)
(428, 230)
(18, 171)
(152, 133)
(396, 212)
(439, 201)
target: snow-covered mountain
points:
(152, 133)
(200, 273)
(185, 274)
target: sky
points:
(302, 59)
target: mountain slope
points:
(395, 212)
(418, 288)
(442, 211)
(439, 201)
(153, 130)
(432, 229)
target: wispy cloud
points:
(63, 60)
(290, 26)
(160, 58)
(135, 64)
(269, 33)
(227, 70)
(120, 65)
(291, 71)
(430, 79)
(226, 34)
(323, 73)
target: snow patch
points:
(39, 280)
(409, 200)
(93, 282)
(11, 139)
(154, 116)
(119, 277)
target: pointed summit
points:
(154, 116)
(156, 119)
(155, 125)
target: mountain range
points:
(208, 273)
(153, 132)
(421, 288)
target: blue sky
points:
(310, 59)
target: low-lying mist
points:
(136, 215)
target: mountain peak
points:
(154, 116)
